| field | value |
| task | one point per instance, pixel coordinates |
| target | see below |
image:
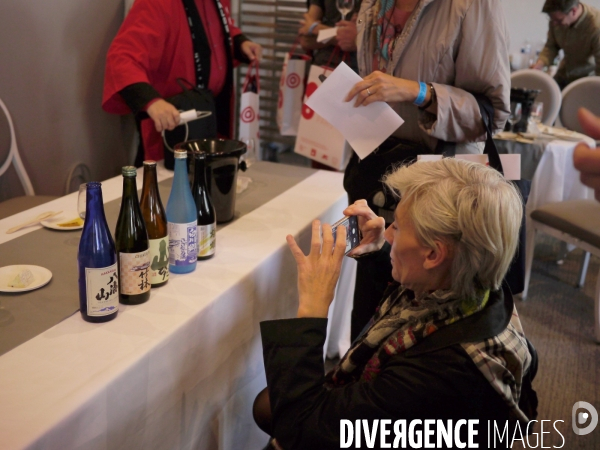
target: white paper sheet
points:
(326, 34)
(365, 127)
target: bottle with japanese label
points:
(181, 220)
(206, 217)
(155, 218)
(133, 248)
(97, 261)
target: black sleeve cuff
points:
(138, 95)
(238, 54)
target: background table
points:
(182, 370)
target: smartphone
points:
(352, 233)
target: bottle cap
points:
(150, 163)
(180, 154)
(129, 171)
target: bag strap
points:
(252, 65)
(487, 113)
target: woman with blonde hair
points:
(445, 343)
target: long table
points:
(180, 371)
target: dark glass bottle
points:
(155, 218)
(207, 219)
(181, 220)
(97, 261)
(133, 249)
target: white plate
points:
(67, 216)
(41, 277)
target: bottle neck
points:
(94, 205)
(150, 181)
(130, 190)
(180, 177)
(200, 173)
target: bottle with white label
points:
(181, 220)
(206, 217)
(155, 218)
(97, 261)
(133, 247)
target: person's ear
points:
(437, 256)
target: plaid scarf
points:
(401, 322)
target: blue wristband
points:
(422, 94)
(312, 27)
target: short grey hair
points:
(470, 207)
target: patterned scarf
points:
(385, 28)
(401, 322)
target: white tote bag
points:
(291, 90)
(248, 129)
(317, 139)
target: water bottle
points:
(133, 248)
(181, 220)
(155, 218)
(97, 261)
(206, 216)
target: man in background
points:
(575, 28)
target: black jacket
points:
(435, 379)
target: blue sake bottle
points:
(97, 261)
(181, 220)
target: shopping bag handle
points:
(251, 66)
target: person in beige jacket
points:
(425, 58)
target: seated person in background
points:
(323, 14)
(585, 159)
(446, 341)
(574, 27)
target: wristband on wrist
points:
(312, 27)
(422, 94)
(431, 99)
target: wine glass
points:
(344, 7)
(537, 111)
(250, 155)
(516, 110)
(81, 200)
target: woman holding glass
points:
(426, 59)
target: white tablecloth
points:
(182, 370)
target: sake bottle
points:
(97, 261)
(155, 219)
(181, 220)
(133, 248)
(206, 217)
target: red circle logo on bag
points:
(293, 80)
(307, 112)
(248, 115)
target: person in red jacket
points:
(154, 48)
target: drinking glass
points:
(250, 155)
(537, 111)
(515, 114)
(344, 7)
(81, 199)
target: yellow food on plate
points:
(71, 223)
(22, 280)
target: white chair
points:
(549, 94)
(29, 200)
(575, 222)
(584, 92)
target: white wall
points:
(526, 21)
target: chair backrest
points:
(13, 155)
(584, 92)
(550, 91)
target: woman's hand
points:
(371, 227)
(252, 50)
(164, 115)
(381, 87)
(305, 24)
(318, 272)
(346, 34)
